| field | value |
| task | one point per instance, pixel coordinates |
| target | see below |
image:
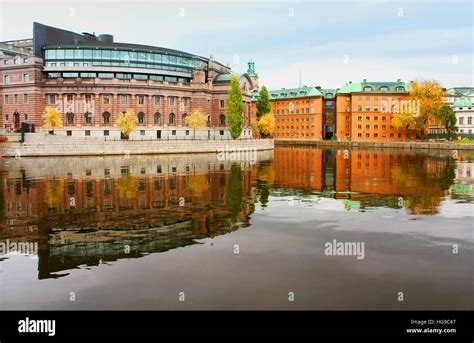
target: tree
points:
(263, 103)
(127, 186)
(196, 120)
(52, 118)
(127, 122)
(255, 129)
(235, 108)
(266, 124)
(447, 117)
(426, 99)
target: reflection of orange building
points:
(378, 178)
(357, 111)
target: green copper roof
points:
(374, 87)
(460, 91)
(290, 93)
(251, 68)
(462, 102)
(328, 93)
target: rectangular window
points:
(171, 101)
(68, 133)
(106, 99)
(221, 132)
(88, 132)
(25, 98)
(26, 77)
(173, 132)
(222, 103)
(69, 54)
(376, 117)
(156, 99)
(51, 99)
(469, 120)
(124, 99)
(376, 135)
(359, 108)
(141, 99)
(142, 132)
(15, 97)
(359, 118)
(184, 102)
(367, 135)
(187, 132)
(6, 79)
(5, 99)
(367, 108)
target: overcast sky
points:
(331, 42)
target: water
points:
(193, 232)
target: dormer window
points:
(383, 89)
(400, 89)
(367, 89)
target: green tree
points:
(447, 117)
(263, 103)
(234, 194)
(235, 108)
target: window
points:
(171, 119)
(359, 127)
(187, 132)
(461, 120)
(88, 98)
(222, 103)
(376, 135)
(184, 119)
(106, 99)
(222, 120)
(106, 118)
(157, 118)
(184, 102)
(156, 99)
(15, 98)
(141, 99)
(359, 118)
(5, 99)
(359, 108)
(469, 120)
(141, 118)
(87, 132)
(26, 77)
(123, 99)
(6, 79)
(68, 133)
(142, 132)
(367, 135)
(367, 118)
(106, 133)
(70, 118)
(376, 117)
(221, 132)
(171, 101)
(367, 108)
(376, 127)
(26, 116)
(173, 133)
(88, 119)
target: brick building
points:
(92, 79)
(357, 111)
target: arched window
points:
(106, 118)
(222, 120)
(400, 89)
(70, 118)
(88, 118)
(184, 119)
(141, 118)
(383, 89)
(171, 119)
(367, 89)
(208, 121)
(157, 118)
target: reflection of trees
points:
(127, 186)
(265, 179)
(53, 191)
(424, 182)
(197, 184)
(234, 193)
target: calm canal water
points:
(194, 232)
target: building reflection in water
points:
(86, 210)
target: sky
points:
(327, 42)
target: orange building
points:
(365, 110)
(357, 111)
(297, 111)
